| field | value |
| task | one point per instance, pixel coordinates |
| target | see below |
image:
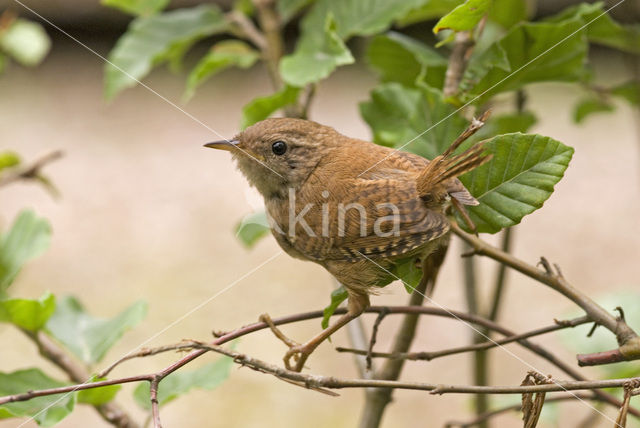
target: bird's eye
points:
(279, 148)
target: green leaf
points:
(27, 313)
(287, 9)
(428, 11)
(28, 238)
(397, 115)
(25, 41)
(409, 273)
(517, 181)
(137, 7)
(180, 382)
(46, 411)
(464, 17)
(252, 228)
(150, 41)
(87, 337)
(320, 48)
(528, 53)
(508, 13)
(8, 160)
(629, 91)
(338, 296)
(590, 105)
(245, 7)
(223, 55)
(399, 58)
(98, 396)
(318, 61)
(262, 107)
(601, 28)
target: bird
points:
(354, 207)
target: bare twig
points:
(30, 172)
(153, 393)
(329, 382)
(374, 337)
(517, 407)
(428, 356)
(627, 338)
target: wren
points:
(354, 207)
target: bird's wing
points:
(379, 218)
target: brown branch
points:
(428, 356)
(627, 338)
(153, 393)
(317, 381)
(29, 172)
(110, 412)
(273, 47)
(518, 407)
(580, 384)
(376, 400)
(244, 28)
(457, 62)
(460, 316)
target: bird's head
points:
(278, 154)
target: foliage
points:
(407, 110)
(209, 376)
(46, 411)
(24, 41)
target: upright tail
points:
(437, 179)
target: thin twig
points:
(352, 383)
(374, 337)
(29, 172)
(627, 338)
(518, 407)
(428, 356)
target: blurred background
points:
(146, 212)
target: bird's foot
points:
(299, 355)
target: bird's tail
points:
(434, 183)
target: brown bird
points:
(352, 206)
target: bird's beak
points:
(227, 145)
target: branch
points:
(517, 407)
(273, 48)
(30, 172)
(110, 412)
(245, 29)
(428, 356)
(153, 393)
(627, 338)
(317, 381)
(349, 383)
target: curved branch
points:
(627, 338)
(313, 381)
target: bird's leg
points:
(356, 305)
(465, 215)
(265, 318)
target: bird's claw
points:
(299, 355)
